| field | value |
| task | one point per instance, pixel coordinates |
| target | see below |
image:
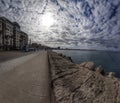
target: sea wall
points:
(84, 83)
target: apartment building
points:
(16, 36)
(6, 33)
(11, 37)
(1, 40)
(23, 40)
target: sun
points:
(47, 20)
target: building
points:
(20, 38)
(11, 37)
(16, 36)
(1, 36)
(23, 40)
(6, 33)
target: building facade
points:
(6, 34)
(23, 40)
(11, 37)
(1, 40)
(8, 41)
(16, 37)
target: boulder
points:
(69, 58)
(90, 65)
(111, 74)
(82, 64)
(77, 84)
(100, 70)
(60, 54)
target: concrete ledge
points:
(83, 83)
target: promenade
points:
(8, 55)
(25, 79)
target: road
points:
(27, 82)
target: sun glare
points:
(47, 20)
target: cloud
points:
(79, 23)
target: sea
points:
(109, 60)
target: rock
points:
(111, 74)
(100, 70)
(69, 58)
(60, 54)
(64, 56)
(76, 84)
(90, 65)
(82, 64)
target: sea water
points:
(110, 61)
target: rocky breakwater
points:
(84, 83)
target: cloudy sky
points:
(93, 24)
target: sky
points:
(83, 24)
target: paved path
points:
(26, 83)
(8, 55)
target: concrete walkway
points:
(26, 83)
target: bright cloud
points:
(70, 23)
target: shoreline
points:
(70, 59)
(85, 50)
(72, 83)
(108, 60)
